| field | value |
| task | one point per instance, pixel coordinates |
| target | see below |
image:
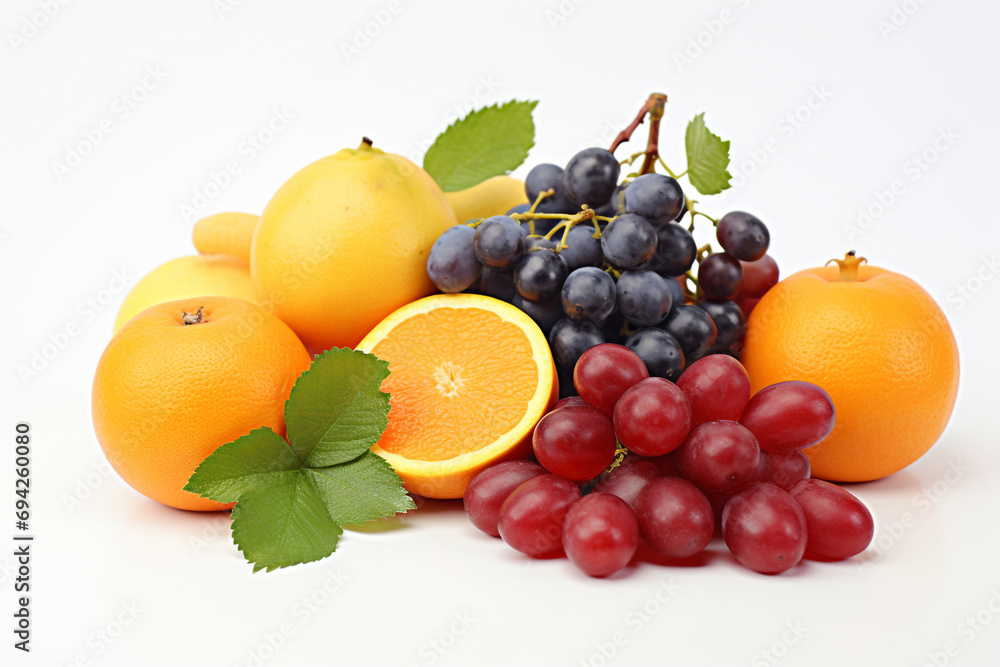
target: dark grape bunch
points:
(593, 260)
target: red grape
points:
(600, 534)
(717, 386)
(577, 442)
(783, 470)
(789, 416)
(667, 464)
(487, 491)
(764, 528)
(531, 519)
(759, 276)
(652, 417)
(719, 456)
(675, 518)
(838, 524)
(628, 479)
(568, 401)
(604, 372)
(718, 502)
(746, 303)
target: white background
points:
(102, 549)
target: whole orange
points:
(184, 377)
(878, 344)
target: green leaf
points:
(486, 143)
(261, 458)
(291, 500)
(361, 490)
(707, 158)
(282, 525)
(337, 409)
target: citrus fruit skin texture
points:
(184, 277)
(344, 242)
(470, 376)
(225, 234)
(494, 196)
(878, 344)
(166, 394)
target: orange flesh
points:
(458, 392)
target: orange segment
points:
(470, 376)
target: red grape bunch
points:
(636, 459)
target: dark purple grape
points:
(540, 275)
(615, 205)
(729, 323)
(497, 284)
(720, 276)
(694, 330)
(655, 197)
(452, 263)
(591, 177)
(660, 351)
(676, 293)
(613, 326)
(570, 340)
(582, 249)
(539, 242)
(675, 250)
(644, 297)
(628, 241)
(684, 210)
(498, 242)
(546, 177)
(743, 235)
(520, 208)
(542, 226)
(588, 295)
(544, 313)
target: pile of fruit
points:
(302, 372)
(696, 453)
(592, 260)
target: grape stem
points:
(657, 103)
(696, 293)
(568, 223)
(626, 134)
(538, 200)
(653, 107)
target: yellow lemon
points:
(345, 242)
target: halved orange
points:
(470, 376)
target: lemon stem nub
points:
(849, 266)
(366, 143)
(193, 318)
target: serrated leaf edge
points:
(337, 350)
(693, 167)
(499, 106)
(201, 465)
(257, 567)
(399, 492)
